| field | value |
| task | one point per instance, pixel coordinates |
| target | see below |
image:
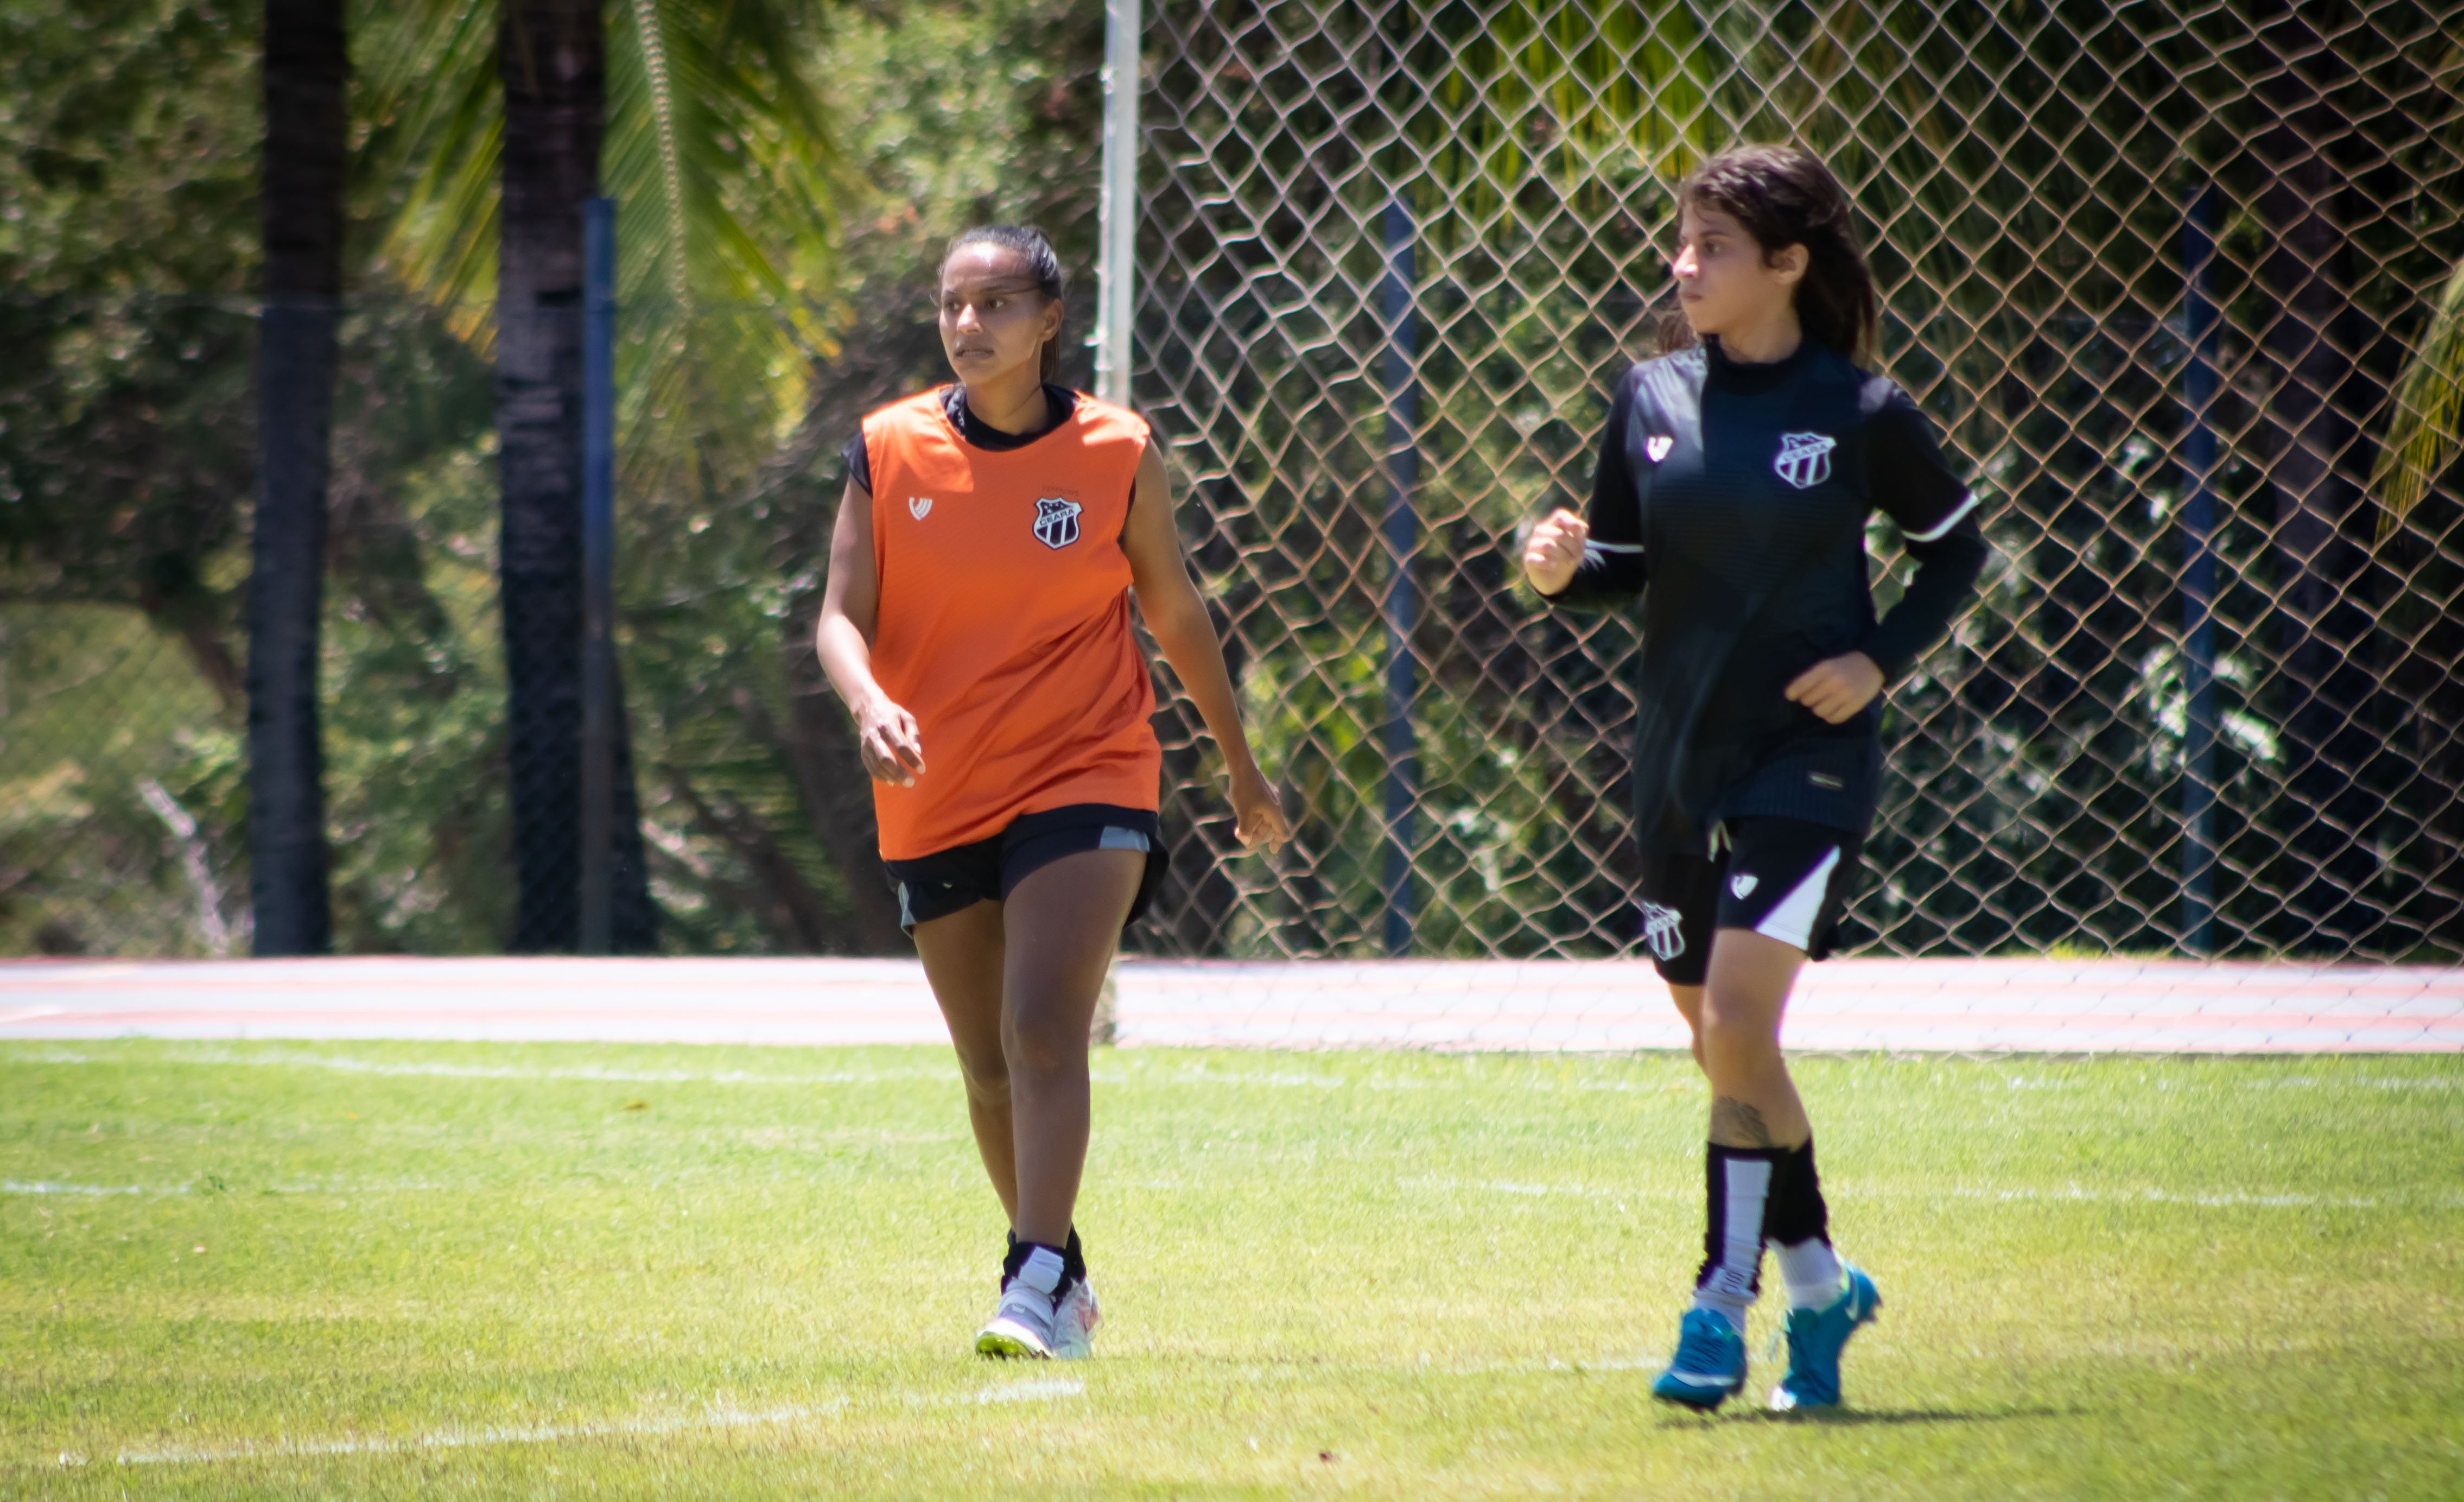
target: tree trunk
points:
(2324, 628)
(306, 69)
(551, 57)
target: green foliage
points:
(774, 285)
(442, 1272)
(127, 230)
(2422, 428)
(717, 153)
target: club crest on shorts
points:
(1804, 458)
(1742, 885)
(919, 506)
(1655, 447)
(1659, 931)
(1056, 521)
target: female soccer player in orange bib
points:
(976, 623)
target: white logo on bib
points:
(1804, 458)
(1056, 521)
(1655, 447)
(1659, 931)
(1741, 885)
(918, 505)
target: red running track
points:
(1912, 1005)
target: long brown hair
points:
(1041, 264)
(1784, 196)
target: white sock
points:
(1812, 1271)
(1743, 1187)
(1042, 1271)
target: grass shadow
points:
(1854, 1418)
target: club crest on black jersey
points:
(1804, 458)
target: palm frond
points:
(718, 152)
(429, 92)
(2421, 426)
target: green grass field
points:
(427, 1271)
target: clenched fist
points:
(1555, 550)
(1837, 688)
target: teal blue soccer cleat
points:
(1815, 1337)
(1709, 1364)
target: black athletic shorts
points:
(1781, 877)
(939, 884)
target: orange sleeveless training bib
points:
(1003, 623)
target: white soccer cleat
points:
(1022, 1327)
(1074, 1322)
(1023, 1324)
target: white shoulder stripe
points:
(1966, 504)
(1615, 548)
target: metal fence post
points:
(1117, 209)
(1402, 591)
(2199, 578)
(598, 560)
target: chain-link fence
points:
(2155, 270)
(2167, 278)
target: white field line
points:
(458, 1438)
(420, 1070)
(2214, 1198)
(2309, 1082)
(714, 1417)
(2226, 1199)
(1032, 1392)
(294, 1186)
(1200, 1074)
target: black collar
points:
(1060, 402)
(1752, 378)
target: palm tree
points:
(306, 146)
(713, 146)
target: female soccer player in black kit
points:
(1733, 491)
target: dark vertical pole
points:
(598, 571)
(2199, 578)
(1403, 590)
(306, 165)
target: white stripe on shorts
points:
(1791, 921)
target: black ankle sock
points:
(1797, 1213)
(1073, 1258)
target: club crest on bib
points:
(919, 506)
(1804, 458)
(1660, 932)
(1056, 521)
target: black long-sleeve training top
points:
(1733, 498)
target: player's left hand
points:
(1837, 688)
(1258, 813)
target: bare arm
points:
(850, 606)
(1176, 616)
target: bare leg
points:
(1062, 923)
(962, 960)
(1754, 1103)
(1689, 1005)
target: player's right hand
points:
(1555, 550)
(886, 737)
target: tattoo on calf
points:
(1736, 1124)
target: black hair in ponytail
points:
(1784, 196)
(1041, 264)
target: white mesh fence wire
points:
(2158, 274)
